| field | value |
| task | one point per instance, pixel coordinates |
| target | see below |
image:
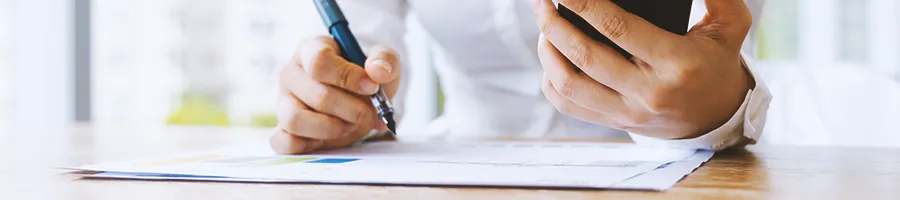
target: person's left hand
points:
(675, 87)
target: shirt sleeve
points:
(746, 125)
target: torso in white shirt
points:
(489, 70)
(491, 74)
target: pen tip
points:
(388, 119)
(392, 127)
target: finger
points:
(294, 118)
(634, 34)
(567, 107)
(727, 22)
(320, 58)
(383, 65)
(575, 86)
(338, 103)
(616, 72)
(599, 61)
(285, 143)
(327, 99)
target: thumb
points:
(383, 65)
(727, 22)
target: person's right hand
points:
(323, 101)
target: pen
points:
(340, 29)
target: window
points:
(778, 31)
(853, 31)
(197, 62)
(834, 71)
(833, 66)
(201, 62)
(5, 56)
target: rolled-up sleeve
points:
(744, 127)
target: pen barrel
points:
(330, 12)
(350, 50)
(382, 105)
(353, 52)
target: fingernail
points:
(349, 128)
(368, 85)
(384, 66)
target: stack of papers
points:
(492, 164)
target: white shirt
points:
(491, 76)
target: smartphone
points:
(671, 15)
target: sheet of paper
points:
(522, 164)
(666, 176)
(660, 179)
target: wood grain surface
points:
(28, 158)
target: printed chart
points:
(517, 164)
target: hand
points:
(324, 100)
(675, 87)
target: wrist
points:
(732, 100)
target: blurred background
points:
(833, 66)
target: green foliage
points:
(264, 120)
(196, 109)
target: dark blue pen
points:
(340, 29)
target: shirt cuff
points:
(744, 127)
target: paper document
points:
(495, 164)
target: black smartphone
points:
(671, 15)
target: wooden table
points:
(27, 158)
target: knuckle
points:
(316, 65)
(657, 102)
(578, 53)
(612, 25)
(578, 6)
(323, 123)
(679, 77)
(335, 125)
(547, 87)
(324, 99)
(346, 77)
(671, 51)
(567, 88)
(292, 122)
(361, 116)
(546, 26)
(635, 119)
